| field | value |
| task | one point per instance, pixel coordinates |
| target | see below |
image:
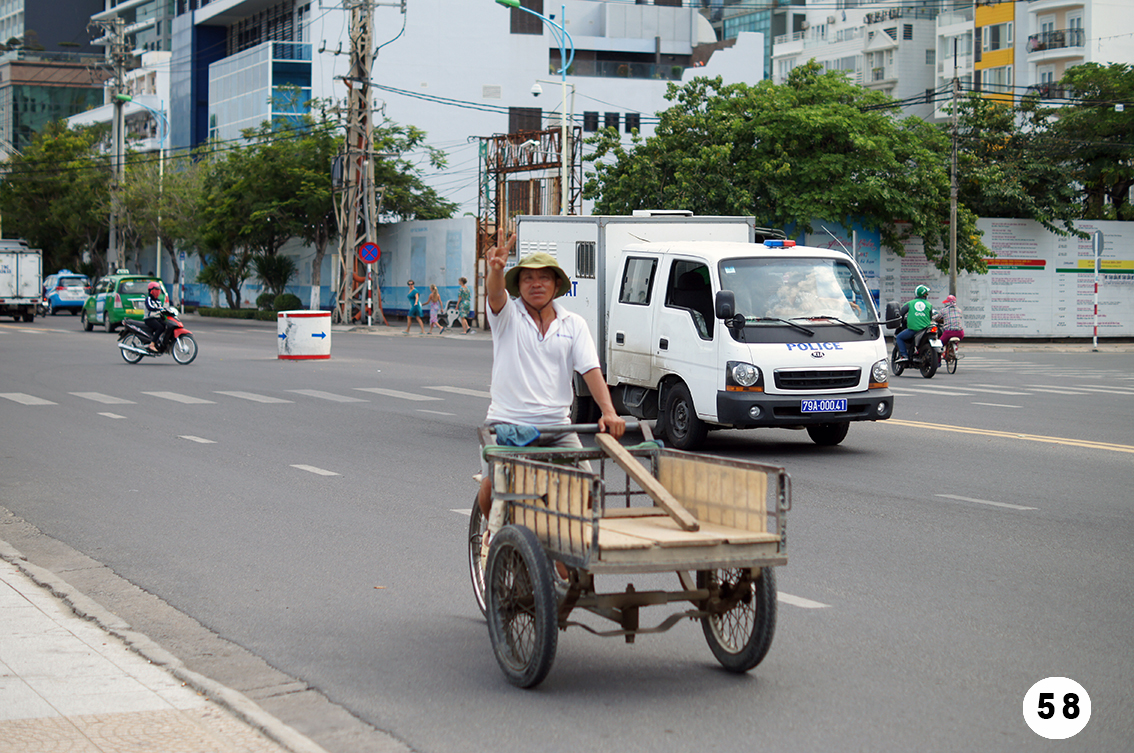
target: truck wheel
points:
(29, 317)
(682, 427)
(584, 410)
(828, 435)
(88, 325)
(741, 635)
(523, 619)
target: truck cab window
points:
(637, 281)
(689, 289)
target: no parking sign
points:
(369, 253)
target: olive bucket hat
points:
(538, 260)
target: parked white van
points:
(710, 322)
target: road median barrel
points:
(303, 335)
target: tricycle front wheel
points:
(523, 620)
(741, 634)
(478, 528)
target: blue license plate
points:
(823, 406)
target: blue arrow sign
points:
(320, 335)
(283, 336)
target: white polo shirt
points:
(532, 373)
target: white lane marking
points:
(466, 513)
(24, 399)
(98, 397)
(397, 393)
(111, 415)
(198, 440)
(179, 398)
(253, 397)
(989, 389)
(313, 469)
(463, 391)
(998, 405)
(329, 396)
(930, 392)
(1056, 392)
(435, 412)
(1109, 390)
(799, 601)
(985, 502)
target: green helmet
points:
(921, 292)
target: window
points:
(524, 119)
(590, 121)
(633, 122)
(611, 120)
(907, 31)
(689, 289)
(997, 36)
(524, 22)
(637, 281)
(585, 260)
(931, 57)
(997, 80)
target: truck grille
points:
(817, 381)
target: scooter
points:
(926, 346)
(134, 336)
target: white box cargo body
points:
(711, 322)
(21, 279)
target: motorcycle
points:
(134, 336)
(926, 346)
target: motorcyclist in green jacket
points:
(919, 315)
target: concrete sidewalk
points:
(66, 684)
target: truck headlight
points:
(743, 374)
(880, 371)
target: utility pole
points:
(117, 56)
(953, 185)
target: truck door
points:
(684, 336)
(631, 322)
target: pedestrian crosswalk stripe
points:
(179, 398)
(111, 415)
(198, 440)
(396, 393)
(24, 399)
(799, 601)
(313, 469)
(98, 397)
(253, 397)
(329, 396)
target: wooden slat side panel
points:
(717, 494)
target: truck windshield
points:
(796, 289)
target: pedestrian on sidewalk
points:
(434, 301)
(464, 306)
(415, 308)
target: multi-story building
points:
(39, 87)
(147, 23)
(731, 17)
(43, 26)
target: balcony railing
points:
(1056, 40)
(1051, 90)
(610, 69)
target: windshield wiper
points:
(848, 325)
(800, 327)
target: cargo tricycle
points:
(719, 524)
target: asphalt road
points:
(314, 514)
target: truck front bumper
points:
(744, 410)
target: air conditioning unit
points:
(831, 19)
(805, 26)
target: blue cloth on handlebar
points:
(515, 435)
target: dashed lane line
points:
(1088, 444)
(435, 412)
(998, 405)
(313, 469)
(198, 440)
(397, 393)
(252, 396)
(25, 399)
(463, 391)
(985, 502)
(329, 396)
(179, 398)
(111, 415)
(943, 393)
(98, 397)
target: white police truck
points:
(713, 323)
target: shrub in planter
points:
(265, 301)
(288, 302)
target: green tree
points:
(56, 196)
(816, 146)
(274, 271)
(1006, 170)
(1091, 138)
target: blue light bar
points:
(779, 244)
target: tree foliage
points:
(814, 147)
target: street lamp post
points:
(559, 31)
(163, 128)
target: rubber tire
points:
(682, 427)
(828, 435)
(523, 621)
(478, 525)
(584, 410)
(129, 357)
(175, 348)
(895, 367)
(106, 321)
(751, 624)
(29, 318)
(951, 363)
(928, 362)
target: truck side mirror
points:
(725, 304)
